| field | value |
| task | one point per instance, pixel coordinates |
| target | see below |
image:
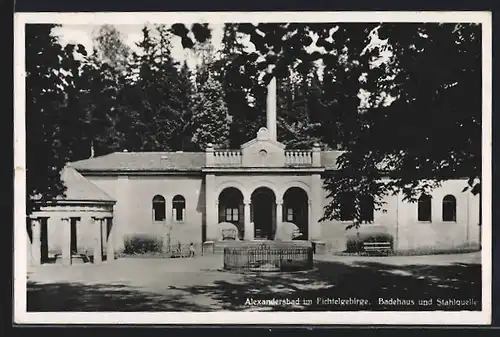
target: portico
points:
(76, 225)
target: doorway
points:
(264, 213)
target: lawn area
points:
(337, 283)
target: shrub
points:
(142, 244)
(354, 243)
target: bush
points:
(354, 243)
(142, 244)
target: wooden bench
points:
(377, 247)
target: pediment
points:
(263, 151)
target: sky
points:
(82, 34)
(131, 34)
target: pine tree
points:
(210, 117)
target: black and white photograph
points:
(274, 167)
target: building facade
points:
(183, 197)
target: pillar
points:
(211, 209)
(66, 240)
(271, 108)
(96, 224)
(279, 212)
(110, 253)
(104, 234)
(249, 230)
(36, 247)
(315, 207)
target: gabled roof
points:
(143, 161)
(164, 161)
(78, 188)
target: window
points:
(346, 206)
(424, 208)
(449, 208)
(232, 214)
(159, 208)
(289, 214)
(366, 209)
(178, 208)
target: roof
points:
(81, 189)
(143, 161)
(164, 161)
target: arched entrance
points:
(296, 210)
(231, 208)
(264, 213)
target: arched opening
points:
(296, 210)
(425, 208)
(231, 208)
(263, 213)
(449, 208)
(159, 208)
(178, 208)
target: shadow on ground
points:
(401, 287)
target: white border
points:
(359, 317)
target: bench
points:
(377, 247)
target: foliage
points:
(48, 127)
(402, 100)
(142, 244)
(354, 244)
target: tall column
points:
(96, 230)
(315, 207)
(36, 247)
(66, 240)
(211, 207)
(110, 253)
(249, 231)
(271, 108)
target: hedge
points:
(354, 244)
(142, 244)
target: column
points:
(315, 207)
(249, 233)
(104, 234)
(36, 248)
(311, 218)
(66, 240)
(279, 212)
(110, 253)
(96, 224)
(211, 208)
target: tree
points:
(432, 66)
(154, 95)
(436, 129)
(210, 118)
(48, 80)
(110, 48)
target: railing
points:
(227, 157)
(234, 158)
(268, 258)
(298, 157)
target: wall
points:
(133, 211)
(400, 220)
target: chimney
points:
(271, 108)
